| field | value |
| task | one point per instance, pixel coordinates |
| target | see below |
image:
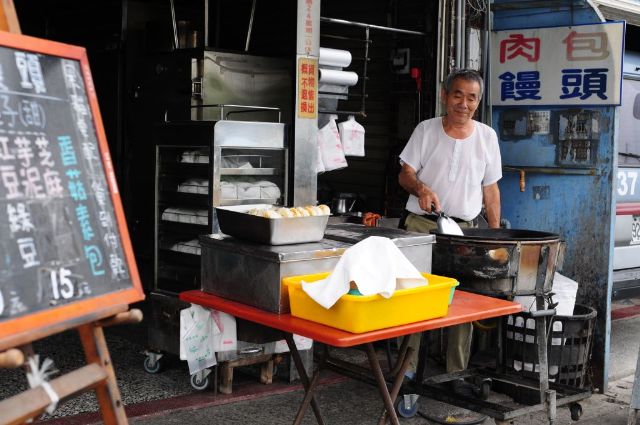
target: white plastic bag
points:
(196, 338)
(352, 137)
(203, 332)
(330, 146)
(319, 164)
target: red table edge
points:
(466, 307)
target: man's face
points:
(462, 100)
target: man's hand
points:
(427, 198)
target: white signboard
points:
(577, 65)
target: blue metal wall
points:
(573, 200)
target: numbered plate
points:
(635, 230)
(628, 189)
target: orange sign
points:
(307, 88)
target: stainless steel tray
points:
(234, 221)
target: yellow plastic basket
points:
(359, 313)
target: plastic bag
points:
(203, 332)
(331, 147)
(319, 164)
(352, 137)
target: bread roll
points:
(310, 209)
(325, 209)
(295, 212)
(285, 212)
(271, 214)
(303, 212)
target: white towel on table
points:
(375, 264)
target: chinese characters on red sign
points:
(307, 88)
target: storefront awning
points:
(619, 10)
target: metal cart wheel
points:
(201, 380)
(576, 411)
(407, 406)
(152, 364)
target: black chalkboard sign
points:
(64, 247)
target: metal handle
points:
(544, 313)
(251, 350)
(248, 108)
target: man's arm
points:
(491, 195)
(408, 179)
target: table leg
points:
(402, 354)
(309, 387)
(308, 398)
(397, 383)
(423, 351)
(382, 384)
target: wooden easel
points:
(8, 17)
(87, 314)
(98, 374)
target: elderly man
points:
(452, 164)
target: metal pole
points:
(364, 71)
(361, 24)
(486, 104)
(463, 35)
(458, 34)
(173, 23)
(206, 23)
(253, 11)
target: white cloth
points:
(454, 169)
(565, 291)
(199, 186)
(375, 264)
(268, 190)
(186, 215)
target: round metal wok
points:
(498, 262)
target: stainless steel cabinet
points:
(200, 165)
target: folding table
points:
(466, 307)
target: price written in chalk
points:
(61, 284)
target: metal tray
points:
(234, 221)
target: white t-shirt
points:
(454, 169)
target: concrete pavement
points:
(344, 401)
(167, 398)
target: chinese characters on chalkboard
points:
(562, 65)
(59, 238)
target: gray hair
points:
(464, 74)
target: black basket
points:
(568, 346)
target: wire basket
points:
(568, 346)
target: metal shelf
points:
(231, 202)
(250, 172)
